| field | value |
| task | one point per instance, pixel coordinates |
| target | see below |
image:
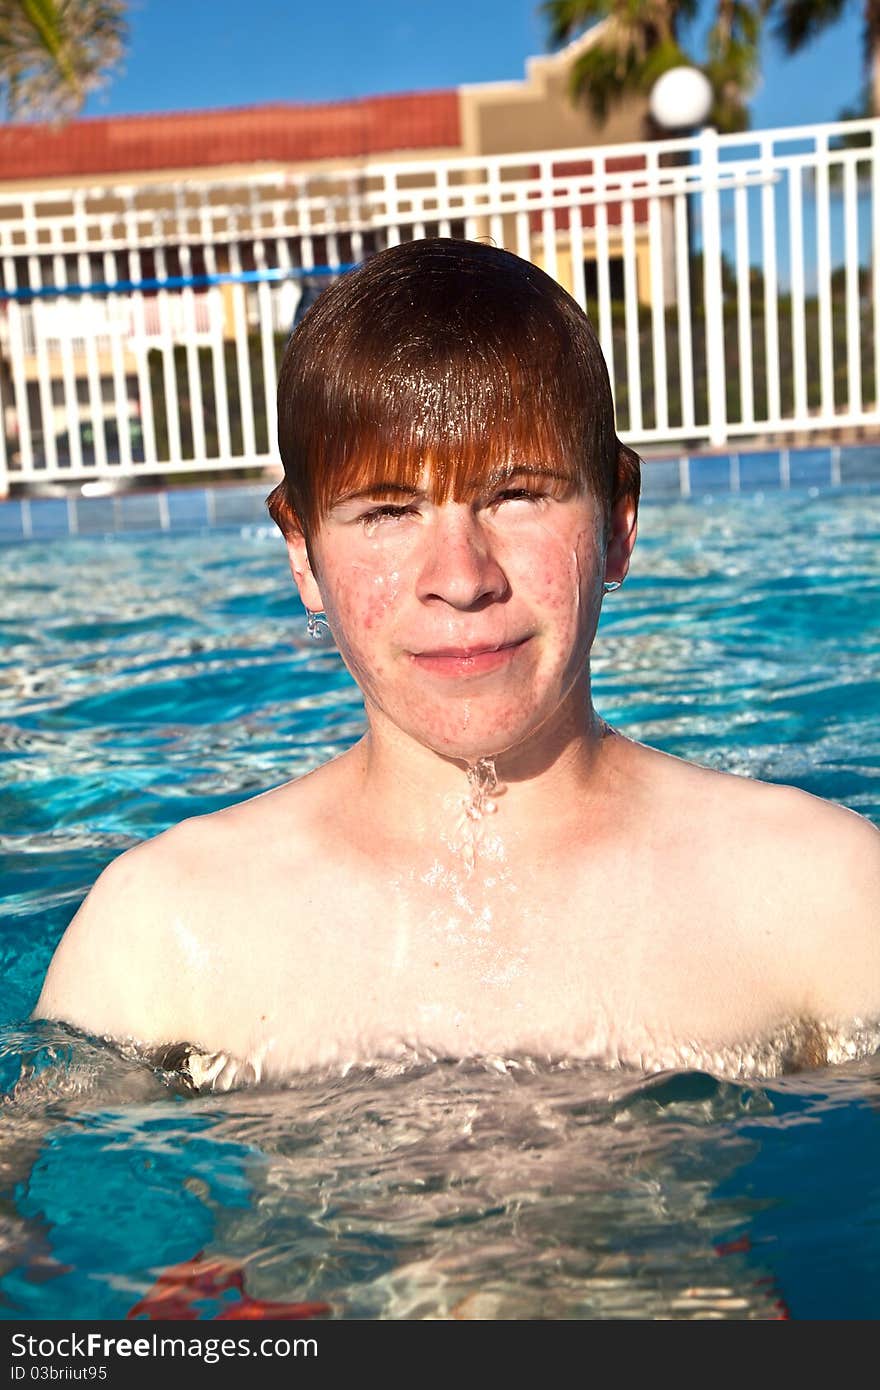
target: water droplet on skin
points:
(482, 781)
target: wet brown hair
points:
(453, 354)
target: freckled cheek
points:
(371, 615)
(360, 610)
(359, 599)
(556, 579)
(557, 592)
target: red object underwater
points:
(178, 1290)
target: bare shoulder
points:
(745, 813)
(800, 875)
(822, 863)
(819, 855)
(139, 958)
(112, 973)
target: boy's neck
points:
(415, 794)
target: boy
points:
(491, 868)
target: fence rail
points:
(731, 280)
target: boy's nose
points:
(459, 565)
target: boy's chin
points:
(519, 747)
(493, 744)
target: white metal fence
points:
(731, 281)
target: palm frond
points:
(799, 21)
(566, 19)
(54, 53)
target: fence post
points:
(716, 377)
(4, 469)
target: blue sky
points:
(206, 53)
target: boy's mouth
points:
(464, 661)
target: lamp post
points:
(680, 102)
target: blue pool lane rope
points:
(184, 282)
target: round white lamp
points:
(681, 99)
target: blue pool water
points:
(150, 678)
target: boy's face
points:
(467, 625)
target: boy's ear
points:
(287, 521)
(622, 529)
(301, 569)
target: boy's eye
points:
(387, 510)
(390, 511)
(517, 494)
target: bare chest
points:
(503, 958)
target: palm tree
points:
(641, 39)
(800, 21)
(54, 53)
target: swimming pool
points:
(152, 677)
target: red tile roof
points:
(282, 133)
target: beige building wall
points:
(540, 113)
